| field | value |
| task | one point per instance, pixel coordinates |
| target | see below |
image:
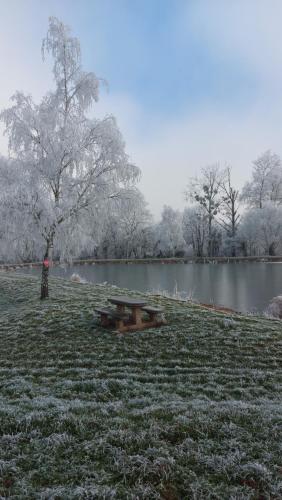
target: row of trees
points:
(224, 221)
(219, 220)
(122, 227)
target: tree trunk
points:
(271, 249)
(45, 270)
(233, 247)
(210, 243)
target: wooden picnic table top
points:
(128, 301)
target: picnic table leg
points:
(105, 321)
(120, 324)
(152, 317)
(137, 316)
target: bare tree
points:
(229, 217)
(206, 191)
(195, 229)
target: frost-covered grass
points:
(191, 410)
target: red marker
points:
(46, 263)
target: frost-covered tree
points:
(64, 162)
(206, 192)
(169, 241)
(261, 230)
(18, 240)
(266, 182)
(195, 229)
(229, 216)
(126, 227)
(134, 220)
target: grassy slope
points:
(189, 410)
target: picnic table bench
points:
(132, 320)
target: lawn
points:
(190, 410)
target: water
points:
(241, 286)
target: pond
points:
(246, 287)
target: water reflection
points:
(241, 286)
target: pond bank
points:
(242, 286)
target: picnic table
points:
(132, 320)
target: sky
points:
(191, 82)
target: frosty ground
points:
(188, 410)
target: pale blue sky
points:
(191, 81)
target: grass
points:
(190, 410)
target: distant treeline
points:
(218, 222)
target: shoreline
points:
(213, 307)
(170, 260)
